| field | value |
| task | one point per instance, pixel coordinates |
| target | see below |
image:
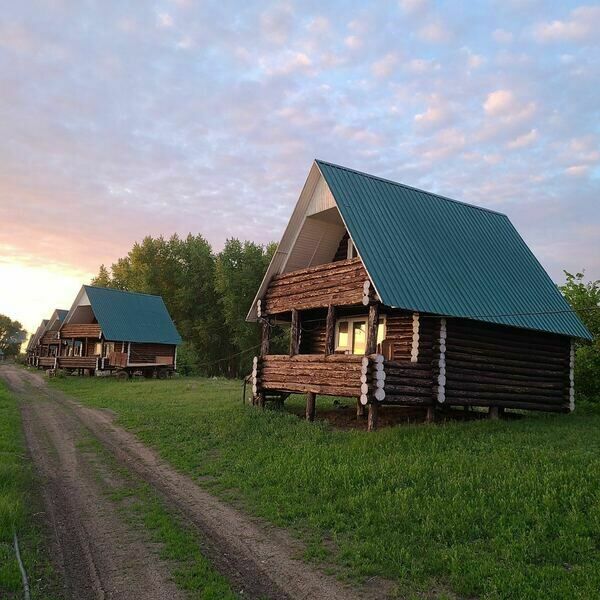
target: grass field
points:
(479, 509)
(17, 507)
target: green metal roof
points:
(132, 317)
(431, 254)
(61, 314)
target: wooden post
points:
(266, 337)
(494, 413)
(360, 409)
(430, 417)
(372, 325)
(295, 333)
(330, 330)
(311, 406)
(372, 419)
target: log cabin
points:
(32, 350)
(48, 343)
(397, 296)
(114, 330)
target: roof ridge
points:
(409, 187)
(101, 287)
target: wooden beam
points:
(372, 325)
(330, 330)
(360, 409)
(265, 345)
(373, 415)
(295, 333)
(311, 406)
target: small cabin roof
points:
(33, 340)
(131, 316)
(431, 254)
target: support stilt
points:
(373, 414)
(311, 406)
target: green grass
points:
(18, 505)
(143, 508)
(479, 509)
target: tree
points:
(103, 278)
(240, 267)
(183, 273)
(12, 335)
(584, 297)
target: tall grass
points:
(478, 509)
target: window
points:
(351, 334)
(98, 349)
(108, 348)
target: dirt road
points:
(103, 557)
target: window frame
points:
(351, 320)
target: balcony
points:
(334, 375)
(340, 283)
(80, 330)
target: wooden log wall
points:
(342, 250)
(312, 340)
(49, 338)
(80, 330)
(339, 283)
(491, 365)
(148, 353)
(334, 375)
(77, 362)
(400, 330)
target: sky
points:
(125, 119)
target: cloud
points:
(422, 66)
(276, 23)
(502, 36)
(577, 170)
(436, 32)
(117, 128)
(505, 105)
(164, 20)
(413, 6)
(386, 65)
(523, 140)
(582, 25)
(354, 42)
(438, 113)
(318, 24)
(286, 63)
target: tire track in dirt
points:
(261, 560)
(99, 555)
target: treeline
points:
(208, 295)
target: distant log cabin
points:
(33, 348)
(397, 296)
(113, 330)
(48, 344)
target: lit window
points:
(342, 337)
(359, 336)
(351, 335)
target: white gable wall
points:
(312, 235)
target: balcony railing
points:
(77, 362)
(339, 283)
(80, 330)
(334, 375)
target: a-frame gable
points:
(312, 235)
